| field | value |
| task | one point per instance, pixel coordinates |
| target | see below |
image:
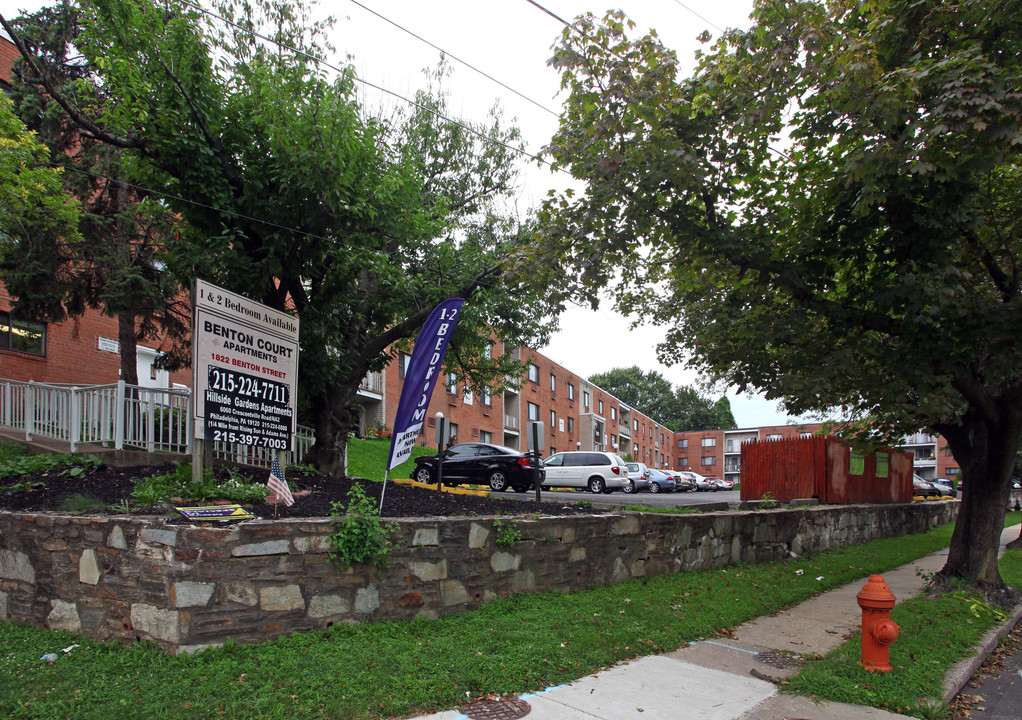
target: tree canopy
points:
(290, 191)
(117, 265)
(832, 202)
(678, 408)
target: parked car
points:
(638, 477)
(683, 484)
(721, 483)
(702, 483)
(659, 481)
(945, 486)
(923, 488)
(480, 464)
(599, 472)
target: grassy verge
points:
(511, 646)
(368, 459)
(936, 633)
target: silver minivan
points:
(595, 470)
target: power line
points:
(454, 57)
(708, 22)
(321, 61)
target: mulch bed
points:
(315, 498)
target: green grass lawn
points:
(368, 459)
(936, 633)
(513, 645)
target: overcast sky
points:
(510, 40)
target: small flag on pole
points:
(278, 485)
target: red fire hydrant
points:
(878, 630)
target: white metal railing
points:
(919, 439)
(121, 415)
(510, 422)
(372, 382)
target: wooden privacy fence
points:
(824, 468)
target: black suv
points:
(480, 464)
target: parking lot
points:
(658, 500)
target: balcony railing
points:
(121, 416)
(510, 422)
(372, 382)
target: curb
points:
(961, 673)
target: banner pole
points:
(386, 474)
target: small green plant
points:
(359, 536)
(507, 535)
(585, 503)
(25, 486)
(81, 503)
(178, 484)
(767, 501)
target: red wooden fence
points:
(824, 468)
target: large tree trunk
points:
(334, 413)
(129, 348)
(986, 451)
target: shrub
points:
(359, 536)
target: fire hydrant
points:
(878, 630)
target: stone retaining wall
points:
(187, 587)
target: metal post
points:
(29, 410)
(441, 423)
(119, 413)
(75, 431)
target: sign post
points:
(244, 372)
(442, 436)
(537, 443)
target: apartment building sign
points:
(245, 369)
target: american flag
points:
(278, 485)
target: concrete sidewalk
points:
(734, 677)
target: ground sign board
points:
(245, 370)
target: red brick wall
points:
(8, 52)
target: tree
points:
(292, 194)
(116, 267)
(678, 408)
(33, 204)
(832, 201)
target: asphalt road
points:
(995, 692)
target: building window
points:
(454, 433)
(635, 425)
(452, 383)
(553, 420)
(709, 442)
(533, 373)
(776, 436)
(571, 391)
(571, 425)
(403, 360)
(709, 461)
(585, 398)
(682, 444)
(485, 436)
(601, 407)
(553, 383)
(661, 438)
(682, 462)
(22, 335)
(613, 413)
(533, 411)
(613, 441)
(487, 399)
